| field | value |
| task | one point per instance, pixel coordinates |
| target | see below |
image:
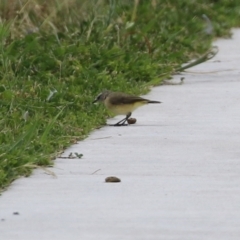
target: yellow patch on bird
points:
(124, 109)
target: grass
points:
(57, 55)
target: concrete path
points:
(179, 166)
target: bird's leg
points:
(122, 122)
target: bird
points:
(121, 103)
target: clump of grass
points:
(55, 56)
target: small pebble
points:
(112, 179)
(15, 213)
(132, 120)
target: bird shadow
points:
(139, 125)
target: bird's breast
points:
(123, 109)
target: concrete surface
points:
(179, 166)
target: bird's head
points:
(102, 96)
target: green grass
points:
(56, 55)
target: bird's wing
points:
(125, 99)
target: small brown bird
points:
(121, 103)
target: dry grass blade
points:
(207, 56)
(34, 166)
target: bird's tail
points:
(153, 101)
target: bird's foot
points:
(117, 125)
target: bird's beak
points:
(94, 101)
